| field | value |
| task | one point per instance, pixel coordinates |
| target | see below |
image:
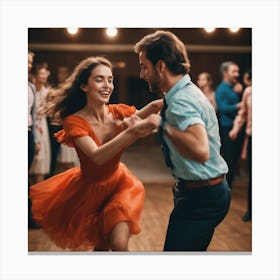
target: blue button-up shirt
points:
(187, 106)
(226, 99)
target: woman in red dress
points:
(98, 204)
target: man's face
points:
(149, 73)
(232, 74)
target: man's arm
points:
(223, 103)
(151, 108)
(191, 143)
(241, 117)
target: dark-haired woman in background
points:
(205, 83)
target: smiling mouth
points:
(105, 93)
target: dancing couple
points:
(97, 205)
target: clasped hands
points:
(142, 127)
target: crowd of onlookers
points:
(46, 156)
(49, 156)
(232, 101)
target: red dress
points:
(79, 207)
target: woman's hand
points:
(233, 134)
(130, 121)
(127, 122)
(144, 127)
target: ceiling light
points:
(111, 32)
(72, 30)
(234, 29)
(209, 29)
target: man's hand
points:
(144, 127)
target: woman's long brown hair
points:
(68, 97)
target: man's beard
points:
(234, 80)
(154, 84)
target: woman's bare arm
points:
(101, 154)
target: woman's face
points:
(100, 84)
(246, 79)
(42, 76)
(202, 80)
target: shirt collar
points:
(179, 85)
(227, 84)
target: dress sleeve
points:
(72, 127)
(121, 111)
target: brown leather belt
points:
(201, 183)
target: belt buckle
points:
(208, 182)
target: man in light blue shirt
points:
(188, 106)
(189, 134)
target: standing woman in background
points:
(97, 205)
(205, 83)
(244, 116)
(41, 163)
(62, 156)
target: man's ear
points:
(160, 66)
(84, 88)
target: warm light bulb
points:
(111, 32)
(234, 29)
(209, 29)
(72, 30)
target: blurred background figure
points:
(67, 158)
(41, 162)
(61, 75)
(228, 103)
(244, 116)
(205, 83)
(238, 88)
(31, 112)
(33, 145)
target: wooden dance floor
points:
(232, 235)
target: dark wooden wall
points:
(205, 51)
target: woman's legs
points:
(39, 178)
(119, 237)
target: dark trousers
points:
(195, 215)
(249, 169)
(54, 146)
(231, 150)
(31, 148)
(31, 154)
